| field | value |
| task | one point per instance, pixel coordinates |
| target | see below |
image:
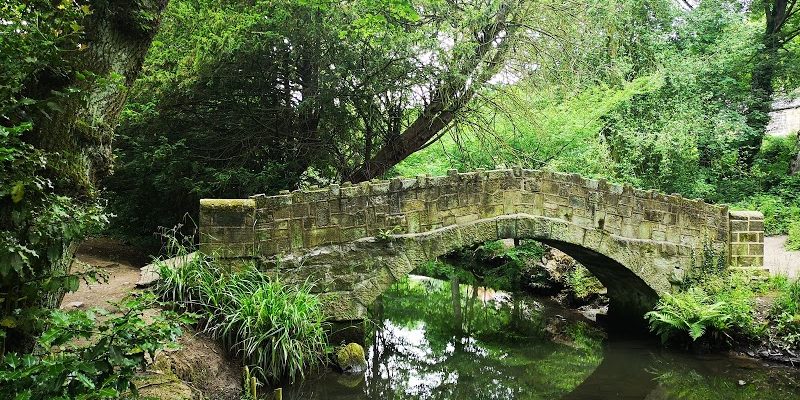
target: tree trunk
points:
(761, 87)
(79, 136)
(76, 130)
(493, 42)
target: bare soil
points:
(200, 369)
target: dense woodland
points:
(116, 117)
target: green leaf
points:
(73, 283)
(85, 380)
(17, 192)
(26, 395)
(53, 106)
(8, 322)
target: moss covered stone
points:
(350, 358)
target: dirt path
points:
(117, 260)
(199, 369)
(778, 259)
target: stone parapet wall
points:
(272, 225)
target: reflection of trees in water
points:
(439, 340)
(638, 370)
(689, 378)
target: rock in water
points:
(350, 358)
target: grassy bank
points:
(276, 329)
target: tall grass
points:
(276, 328)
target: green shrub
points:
(276, 328)
(691, 313)
(90, 354)
(737, 291)
(711, 299)
(785, 313)
(793, 243)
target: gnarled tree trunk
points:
(75, 131)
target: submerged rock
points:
(350, 358)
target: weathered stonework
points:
(747, 239)
(354, 240)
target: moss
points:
(227, 204)
(160, 382)
(350, 358)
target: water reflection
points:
(440, 340)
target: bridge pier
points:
(353, 241)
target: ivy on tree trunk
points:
(72, 104)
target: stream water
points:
(433, 339)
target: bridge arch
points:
(351, 276)
(354, 240)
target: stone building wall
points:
(784, 119)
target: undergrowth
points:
(713, 304)
(91, 354)
(785, 312)
(277, 329)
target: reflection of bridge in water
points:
(355, 240)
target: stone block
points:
(745, 215)
(755, 225)
(320, 236)
(756, 249)
(510, 200)
(352, 233)
(479, 232)
(296, 234)
(739, 250)
(565, 213)
(506, 228)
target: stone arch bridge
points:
(353, 241)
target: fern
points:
(691, 312)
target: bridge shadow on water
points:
(624, 373)
(629, 296)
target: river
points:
(433, 339)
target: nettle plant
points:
(91, 354)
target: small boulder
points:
(350, 358)
(75, 304)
